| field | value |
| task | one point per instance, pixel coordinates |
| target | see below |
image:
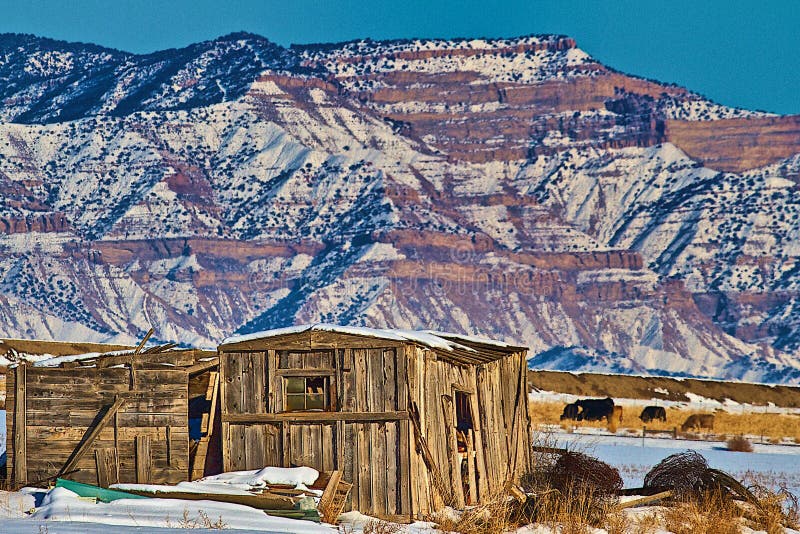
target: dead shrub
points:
(739, 444)
(376, 526)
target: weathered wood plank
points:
(392, 448)
(269, 365)
(202, 367)
(20, 427)
(233, 383)
(391, 380)
(144, 460)
(378, 467)
(237, 444)
(107, 466)
(363, 468)
(404, 471)
(255, 447)
(360, 380)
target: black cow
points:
(570, 412)
(596, 409)
(651, 413)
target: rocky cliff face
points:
(514, 188)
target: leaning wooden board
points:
(262, 501)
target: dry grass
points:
(772, 426)
(496, 516)
(776, 511)
(574, 511)
(618, 522)
(739, 444)
(711, 515)
(649, 523)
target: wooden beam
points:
(20, 427)
(159, 348)
(262, 501)
(177, 358)
(304, 372)
(87, 442)
(641, 501)
(315, 417)
(140, 346)
(202, 367)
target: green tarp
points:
(102, 494)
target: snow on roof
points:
(471, 339)
(58, 360)
(428, 338)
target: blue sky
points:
(743, 54)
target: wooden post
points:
(144, 465)
(20, 428)
(107, 463)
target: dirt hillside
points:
(650, 387)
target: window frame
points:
(305, 394)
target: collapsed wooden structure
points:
(414, 420)
(102, 419)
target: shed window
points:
(306, 393)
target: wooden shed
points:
(119, 417)
(414, 419)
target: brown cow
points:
(617, 413)
(698, 420)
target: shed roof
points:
(466, 349)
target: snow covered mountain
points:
(514, 188)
